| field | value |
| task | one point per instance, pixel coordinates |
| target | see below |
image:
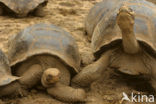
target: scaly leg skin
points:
(32, 76)
(93, 71)
(66, 93)
(13, 89)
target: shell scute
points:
(45, 39)
(107, 31)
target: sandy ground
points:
(70, 15)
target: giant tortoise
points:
(46, 54)
(22, 8)
(123, 37)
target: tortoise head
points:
(125, 20)
(50, 77)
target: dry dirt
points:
(70, 15)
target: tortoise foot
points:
(66, 93)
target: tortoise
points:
(123, 38)
(46, 54)
(21, 8)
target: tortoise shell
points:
(22, 6)
(5, 71)
(101, 24)
(44, 39)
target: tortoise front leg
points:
(27, 80)
(50, 80)
(12, 89)
(93, 71)
(32, 76)
(67, 93)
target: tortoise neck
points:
(129, 41)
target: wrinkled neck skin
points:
(129, 41)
